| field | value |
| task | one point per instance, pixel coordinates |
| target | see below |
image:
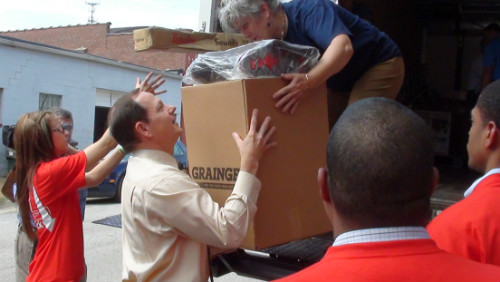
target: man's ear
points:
(492, 134)
(323, 184)
(142, 129)
(325, 195)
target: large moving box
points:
(289, 205)
(164, 38)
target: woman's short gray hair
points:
(232, 11)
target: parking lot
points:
(102, 243)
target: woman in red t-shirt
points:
(48, 190)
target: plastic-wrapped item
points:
(265, 58)
(212, 67)
(274, 57)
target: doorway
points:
(100, 121)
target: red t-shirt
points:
(471, 227)
(56, 213)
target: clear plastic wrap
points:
(265, 58)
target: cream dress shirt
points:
(168, 220)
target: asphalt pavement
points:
(102, 243)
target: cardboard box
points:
(164, 38)
(289, 205)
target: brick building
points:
(104, 41)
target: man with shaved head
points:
(376, 190)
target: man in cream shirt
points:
(168, 220)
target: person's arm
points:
(486, 77)
(96, 172)
(96, 151)
(146, 86)
(182, 204)
(7, 190)
(489, 55)
(335, 58)
(71, 150)
(253, 146)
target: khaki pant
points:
(24, 253)
(382, 80)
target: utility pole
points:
(92, 10)
(208, 15)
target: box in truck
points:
(289, 205)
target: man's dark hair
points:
(380, 163)
(488, 103)
(493, 27)
(123, 116)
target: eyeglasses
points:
(67, 127)
(63, 127)
(60, 129)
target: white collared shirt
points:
(473, 186)
(382, 234)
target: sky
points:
(29, 14)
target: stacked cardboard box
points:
(164, 38)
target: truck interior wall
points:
(440, 59)
(438, 54)
(429, 43)
(399, 19)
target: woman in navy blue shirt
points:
(357, 61)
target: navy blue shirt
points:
(317, 22)
(491, 57)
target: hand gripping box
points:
(289, 203)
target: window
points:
(106, 98)
(48, 101)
